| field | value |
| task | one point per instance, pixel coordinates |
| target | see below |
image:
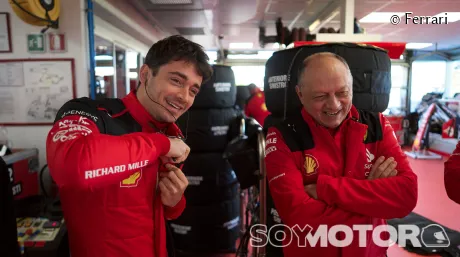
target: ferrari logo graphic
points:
(132, 181)
(259, 95)
(311, 164)
(365, 136)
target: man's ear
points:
(144, 73)
(297, 90)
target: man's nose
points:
(333, 103)
(183, 95)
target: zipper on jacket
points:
(155, 250)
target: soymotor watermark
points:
(432, 235)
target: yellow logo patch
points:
(311, 164)
(264, 107)
(365, 136)
(132, 181)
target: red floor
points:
(433, 202)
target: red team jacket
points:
(452, 175)
(339, 165)
(256, 108)
(104, 156)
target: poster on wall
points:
(5, 33)
(33, 90)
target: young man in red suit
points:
(115, 160)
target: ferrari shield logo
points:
(311, 164)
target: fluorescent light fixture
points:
(241, 45)
(380, 17)
(451, 16)
(417, 45)
(103, 58)
(261, 55)
(314, 25)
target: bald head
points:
(322, 62)
(325, 88)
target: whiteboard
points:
(33, 90)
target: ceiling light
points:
(417, 45)
(241, 45)
(261, 55)
(380, 17)
(451, 16)
(171, 1)
(314, 25)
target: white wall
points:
(452, 79)
(73, 23)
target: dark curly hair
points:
(178, 48)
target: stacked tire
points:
(210, 221)
(371, 70)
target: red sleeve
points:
(286, 186)
(452, 175)
(172, 213)
(80, 156)
(387, 198)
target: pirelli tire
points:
(370, 67)
(211, 179)
(207, 229)
(207, 129)
(242, 96)
(219, 91)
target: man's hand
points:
(311, 191)
(383, 168)
(178, 151)
(172, 185)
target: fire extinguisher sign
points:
(57, 43)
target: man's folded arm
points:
(295, 207)
(393, 197)
(79, 155)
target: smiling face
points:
(172, 90)
(325, 90)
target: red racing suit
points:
(104, 156)
(339, 165)
(452, 175)
(256, 108)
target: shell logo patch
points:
(133, 180)
(311, 164)
(263, 107)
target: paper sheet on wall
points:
(33, 92)
(4, 33)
